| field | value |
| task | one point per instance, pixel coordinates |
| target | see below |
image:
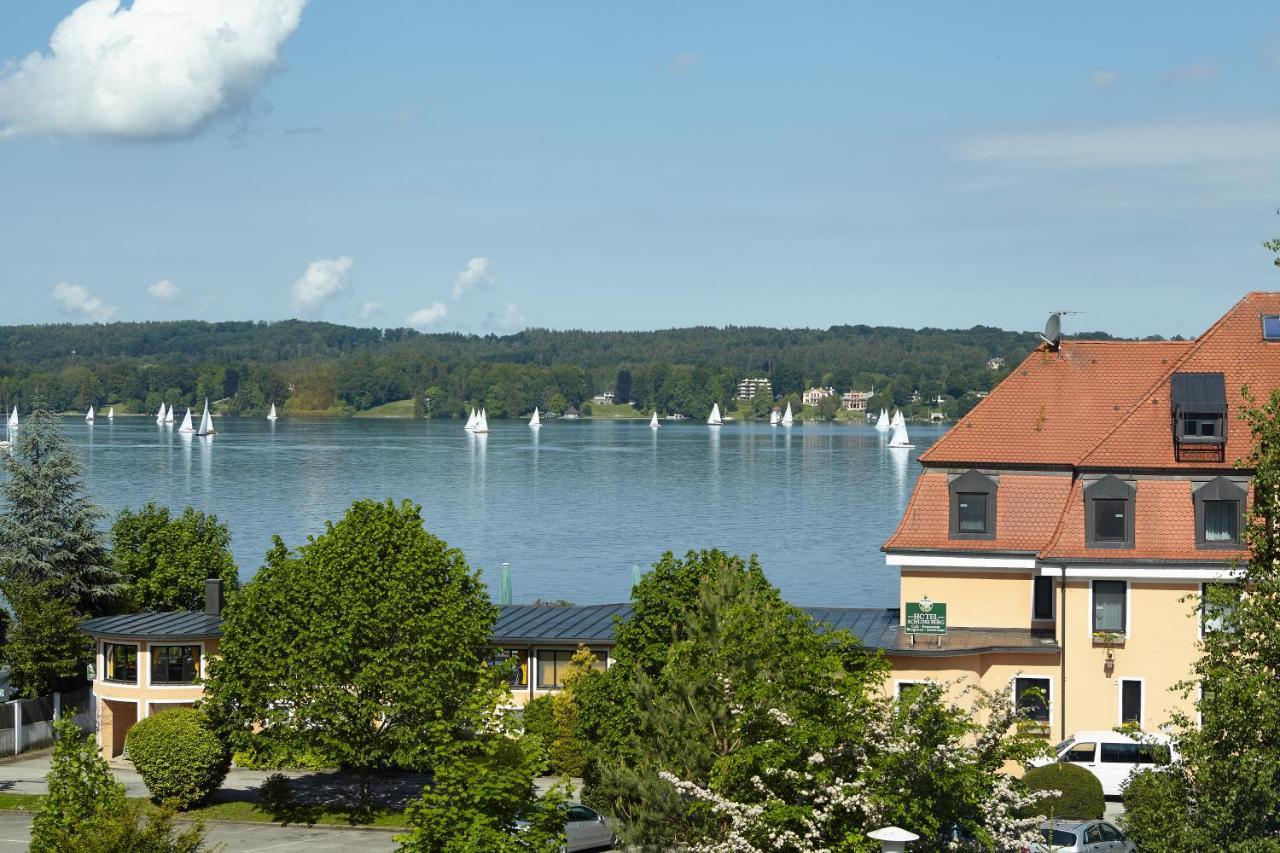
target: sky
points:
(484, 167)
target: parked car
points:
(1078, 836)
(1111, 756)
(584, 829)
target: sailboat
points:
(482, 423)
(111, 413)
(271, 415)
(898, 420)
(471, 421)
(206, 422)
(168, 416)
(89, 416)
(713, 419)
(160, 414)
(186, 423)
(787, 418)
(535, 421)
(11, 429)
(899, 440)
(775, 417)
(882, 423)
(653, 421)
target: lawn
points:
(616, 410)
(394, 409)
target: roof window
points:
(1271, 327)
(1198, 412)
(973, 506)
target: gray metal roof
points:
(180, 623)
(875, 628)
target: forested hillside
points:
(323, 367)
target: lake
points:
(571, 507)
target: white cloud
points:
(75, 301)
(475, 276)
(165, 291)
(1103, 79)
(509, 319)
(152, 69)
(1182, 141)
(370, 309)
(323, 280)
(429, 316)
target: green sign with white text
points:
(926, 617)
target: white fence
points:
(28, 723)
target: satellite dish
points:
(1053, 331)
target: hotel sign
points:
(926, 617)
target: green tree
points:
(86, 809)
(566, 750)
(622, 387)
(481, 787)
(1223, 791)
(48, 530)
(365, 646)
(165, 560)
(44, 647)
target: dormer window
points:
(973, 506)
(1198, 403)
(1108, 516)
(1219, 513)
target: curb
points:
(341, 826)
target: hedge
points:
(179, 759)
(1080, 794)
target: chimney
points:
(213, 596)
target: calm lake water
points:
(571, 507)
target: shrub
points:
(1153, 802)
(539, 719)
(179, 759)
(1080, 794)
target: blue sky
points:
(480, 166)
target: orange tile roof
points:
(1164, 528)
(925, 524)
(1233, 346)
(1055, 407)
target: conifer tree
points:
(48, 529)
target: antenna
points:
(1053, 330)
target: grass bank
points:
(246, 812)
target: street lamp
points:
(893, 839)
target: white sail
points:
(160, 413)
(898, 420)
(111, 413)
(787, 417)
(713, 419)
(271, 415)
(186, 423)
(13, 418)
(89, 415)
(482, 422)
(471, 420)
(536, 420)
(653, 421)
(168, 415)
(899, 438)
(206, 422)
(882, 423)
(775, 417)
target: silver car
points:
(1078, 836)
(584, 829)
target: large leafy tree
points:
(365, 646)
(165, 559)
(48, 529)
(44, 647)
(747, 727)
(1223, 793)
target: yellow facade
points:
(975, 598)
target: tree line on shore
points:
(325, 368)
(729, 719)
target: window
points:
(1200, 425)
(1042, 599)
(174, 664)
(1131, 701)
(1109, 606)
(120, 662)
(973, 506)
(577, 814)
(1109, 508)
(1119, 753)
(1199, 403)
(909, 690)
(1271, 327)
(1219, 513)
(1108, 520)
(1110, 833)
(554, 663)
(1032, 697)
(1093, 835)
(1213, 614)
(1080, 753)
(518, 675)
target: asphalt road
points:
(15, 829)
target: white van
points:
(1110, 756)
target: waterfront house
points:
(814, 396)
(145, 663)
(1086, 502)
(603, 399)
(855, 401)
(748, 388)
